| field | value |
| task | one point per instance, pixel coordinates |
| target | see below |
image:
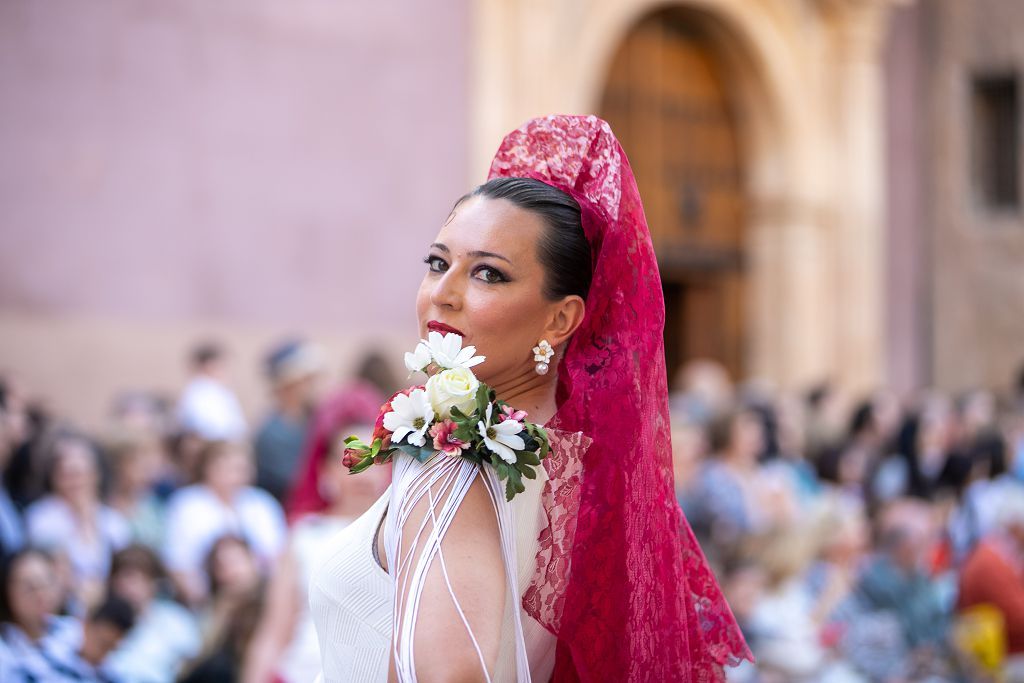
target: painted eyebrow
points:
(474, 254)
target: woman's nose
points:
(447, 292)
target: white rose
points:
(452, 388)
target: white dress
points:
(352, 599)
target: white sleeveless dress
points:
(352, 599)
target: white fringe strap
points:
(413, 481)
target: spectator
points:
(732, 496)
(994, 573)
(292, 369)
(165, 635)
(136, 458)
(72, 520)
(221, 503)
(236, 590)
(285, 645)
(30, 598)
(896, 620)
(207, 406)
(12, 527)
(83, 658)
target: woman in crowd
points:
(223, 502)
(136, 458)
(30, 599)
(325, 501)
(230, 618)
(72, 521)
(165, 634)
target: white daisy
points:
(418, 359)
(410, 417)
(447, 351)
(502, 438)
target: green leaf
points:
(528, 457)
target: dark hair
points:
(563, 250)
(140, 557)
(205, 353)
(210, 561)
(863, 418)
(115, 611)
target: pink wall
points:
(274, 164)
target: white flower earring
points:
(542, 353)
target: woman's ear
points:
(566, 316)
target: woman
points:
(136, 457)
(221, 503)
(30, 598)
(230, 618)
(324, 502)
(165, 634)
(73, 521)
(554, 247)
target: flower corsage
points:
(454, 414)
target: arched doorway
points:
(667, 98)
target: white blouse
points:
(352, 599)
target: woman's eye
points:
(490, 275)
(436, 264)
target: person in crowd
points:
(896, 620)
(136, 459)
(293, 369)
(223, 502)
(825, 418)
(30, 600)
(28, 423)
(701, 391)
(207, 406)
(841, 537)
(12, 527)
(141, 411)
(72, 520)
(234, 610)
(326, 500)
(732, 497)
(994, 575)
(790, 644)
(165, 635)
(83, 658)
(921, 466)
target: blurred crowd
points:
(876, 538)
(174, 544)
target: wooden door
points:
(666, 100)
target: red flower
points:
(444, 438)
(351, 458)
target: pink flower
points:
(444, 438)
(509, 413)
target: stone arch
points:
(806, 79)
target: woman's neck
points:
(530, 392)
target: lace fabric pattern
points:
(620, 578)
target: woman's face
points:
(234, 568)
(33, 591)
(485, 281)
(75, 474)
(230, 471)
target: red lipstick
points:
(437, 326)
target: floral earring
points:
(542, 353)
